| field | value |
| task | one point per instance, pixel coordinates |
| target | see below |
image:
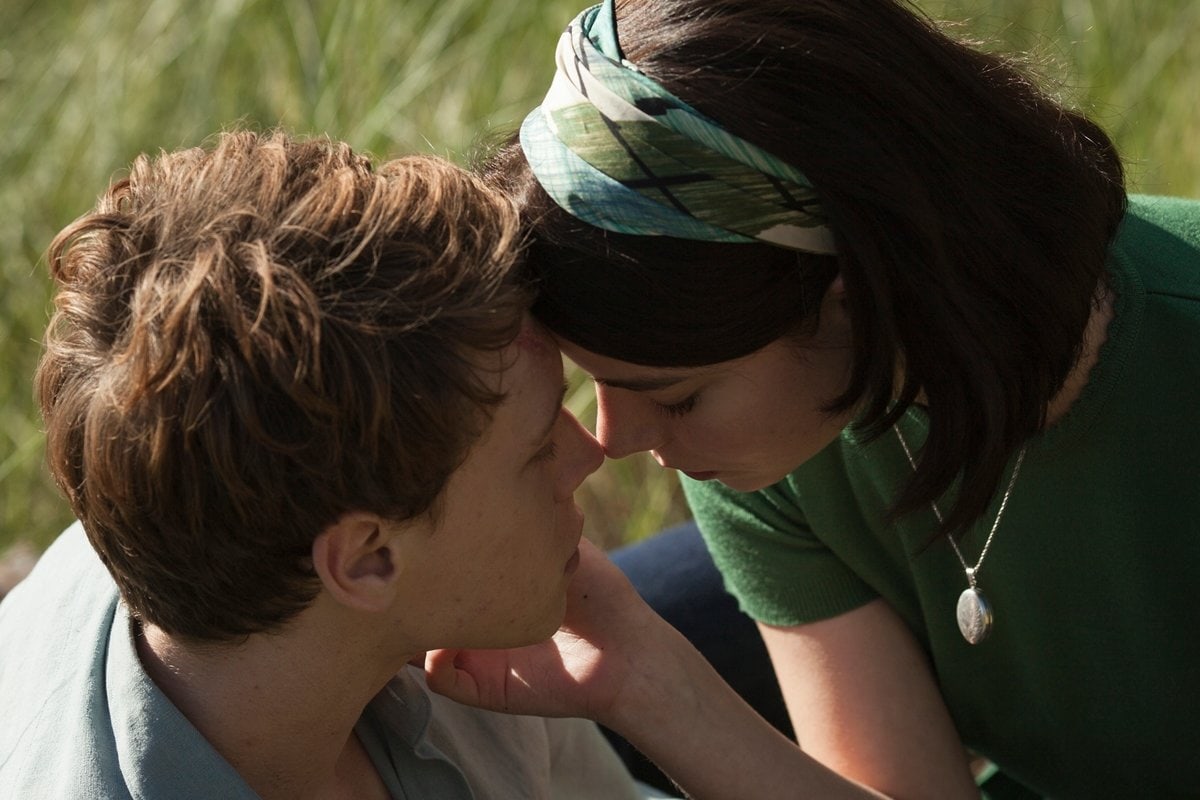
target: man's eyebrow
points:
(642, 384)
(562, 395)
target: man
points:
(309, 434)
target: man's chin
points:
(545, 628)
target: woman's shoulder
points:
(1178, 215)
(1160, 240)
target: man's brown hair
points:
(253, 338)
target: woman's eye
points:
(678, 409)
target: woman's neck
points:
(1094, 337)
(1095, 334)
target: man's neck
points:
(280, 708)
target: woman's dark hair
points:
(972, 213)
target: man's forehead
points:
(534, 338)
(540, 380)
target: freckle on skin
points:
(536, 340)
(528, 337)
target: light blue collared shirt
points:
(80, 718)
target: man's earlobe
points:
(356, 559)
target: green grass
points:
(1132, 66)
(86, 86)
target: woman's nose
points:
(626, 423)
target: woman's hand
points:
(617, 662)
(607, 634)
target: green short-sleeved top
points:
(1089, 684)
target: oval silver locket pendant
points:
(974, 612)
(974, 615)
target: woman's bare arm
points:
(617, 662)
(863, 701)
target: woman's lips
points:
(700, 476)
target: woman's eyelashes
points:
(680, 408)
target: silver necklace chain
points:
(971, 572)
(973, 612)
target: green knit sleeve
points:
(780, 573)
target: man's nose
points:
(582, 455)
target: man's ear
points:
(357, 559)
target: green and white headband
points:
(618, 151)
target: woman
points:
(933, 384)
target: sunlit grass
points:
(1133, 67)
(86, 86)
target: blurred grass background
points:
(86, 85)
